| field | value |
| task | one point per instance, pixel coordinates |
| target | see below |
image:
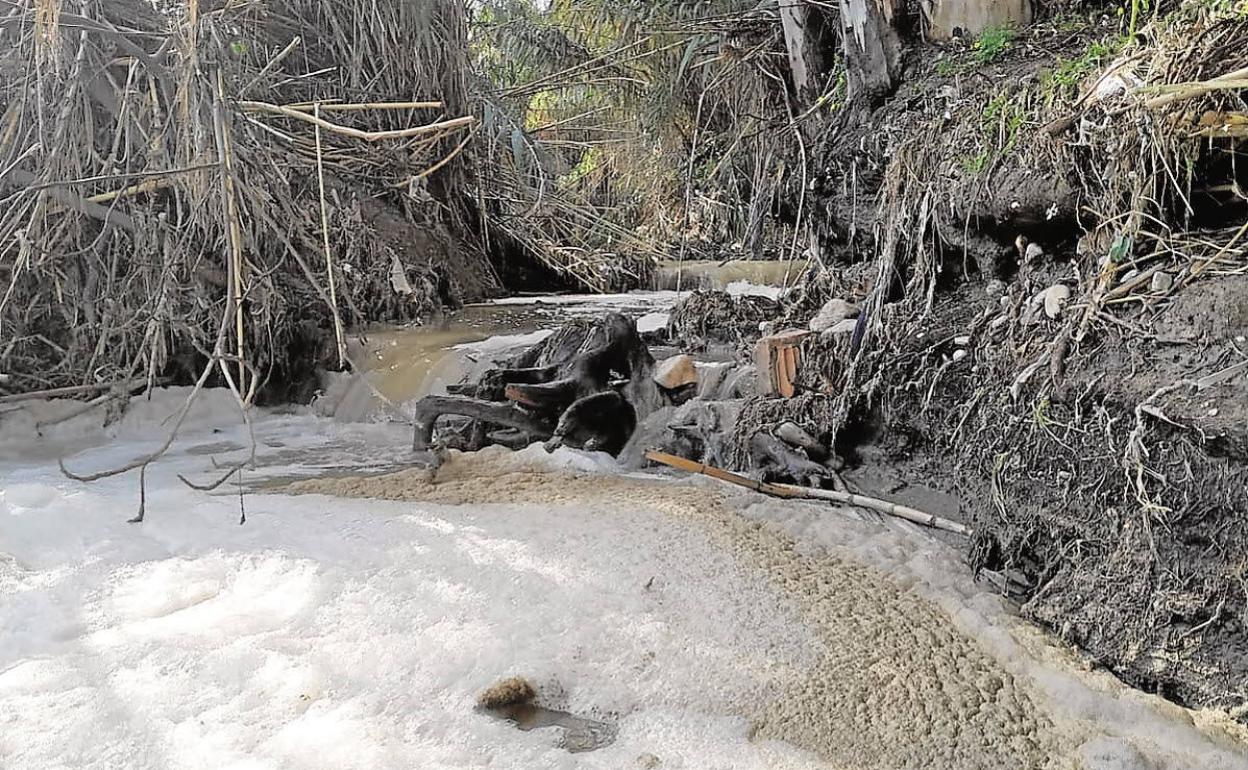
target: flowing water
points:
(355, 617)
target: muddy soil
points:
(1117, 495)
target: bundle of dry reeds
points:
(187, 184)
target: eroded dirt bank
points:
(896, 682)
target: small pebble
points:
(1162, 282)
(1055, 298)
(959, 354)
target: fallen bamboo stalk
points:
(78, 390)
(792, 492)
(233, 229)
(329, 257)
(363, 106)
(368, 136)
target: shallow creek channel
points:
(354, 618)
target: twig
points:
(276, 60)
(368, 136)
(315, 107)
(226, 157)
(329, 258)
(77, 390)
(790, 492)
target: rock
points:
(833, 311)
(508, 692)
(963, 340)
(676, 372)
(1034, 252)
(959, 354)
(648, 761)
(795, 435)
(839, 328)
(1055, 298)
(995, 288)
(1162, 282)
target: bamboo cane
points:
(368, 136)
(329, 259)
(234, 230)
(791, 492)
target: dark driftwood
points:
(603, 422)
(430, 408)
(570, 398)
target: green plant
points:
(991, 43)
(977, 164)
(1003, 116)
(946, 67)
(1063, 82)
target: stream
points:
(354, 618)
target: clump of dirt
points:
(507, 692)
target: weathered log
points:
(430, 408)
(603, 422)
(571, 394)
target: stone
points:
(1055, 298)
(1162, 282)
(959, 354)
(778, 358)
(833, 312)
(839, 329)
(676, 372)
(1034, 252)
(648, 761)
(507, 692)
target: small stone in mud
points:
(1055, 298)
(676, 372)
(1162, 282)
(648, 761)
(833, 311)
(507, 692)
(838, 329)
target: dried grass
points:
(154, 171)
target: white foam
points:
(355, 633)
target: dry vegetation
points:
(1101, 452)
(175, 200)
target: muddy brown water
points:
(719, 275)
(579, 734)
